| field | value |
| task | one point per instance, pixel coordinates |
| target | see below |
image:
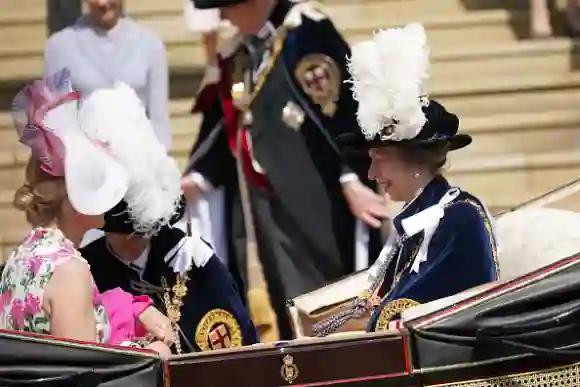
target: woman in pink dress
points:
(86, 155)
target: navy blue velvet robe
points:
(462, 253)
(210, 288)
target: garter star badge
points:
(320, 79)
(218, 329)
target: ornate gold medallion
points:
(391, 310)
(289, 370)
(218, 329)
(320, 78)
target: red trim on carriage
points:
(166, 374)
(64, 340)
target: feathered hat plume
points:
(116, 118)
(387, 76)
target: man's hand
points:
(190, 188)
(364, 203)
(157, 324)
(162, 349)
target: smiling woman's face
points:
(391, 172)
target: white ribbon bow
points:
(189, 250)
(427, 221)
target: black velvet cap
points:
(441, 126)
(117, 218)
(209, 4)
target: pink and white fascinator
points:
(46, 117)
(105, 147)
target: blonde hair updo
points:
(41, 196)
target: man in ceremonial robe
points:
(274, 109)
(212, 314)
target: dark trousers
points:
(62, 13)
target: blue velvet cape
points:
(461, 255)
(210, 291)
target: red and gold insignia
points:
(320, 78)
(218, 329)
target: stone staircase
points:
(517, 97)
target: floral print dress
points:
(25, 276)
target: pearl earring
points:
(416, 175)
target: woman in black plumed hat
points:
(443, 242)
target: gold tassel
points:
(261, 311)
(260, 306)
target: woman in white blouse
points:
(103, 47)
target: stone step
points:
(472, 65)
(530, 57)
(465, 32)
(503, 84)
(508, 180)
(519, 100)
(24, 60)
(468, 98)
(523, 133)
(15, 220)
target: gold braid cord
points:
(567, 376)
(393, 309)
(173, 298)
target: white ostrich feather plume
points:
(116, 119)
(387, 76)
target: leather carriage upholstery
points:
(36, 360)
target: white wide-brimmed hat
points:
(103, 145)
